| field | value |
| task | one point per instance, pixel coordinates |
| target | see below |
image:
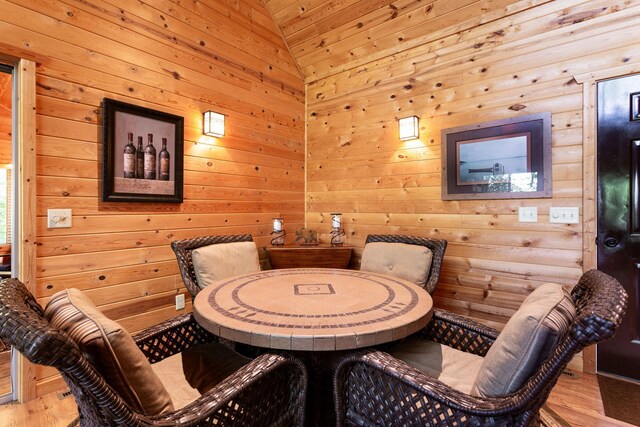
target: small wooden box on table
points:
(306, 256)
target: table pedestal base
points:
(320, 408)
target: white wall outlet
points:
(564, 215)
(179, 302)
(528, 214)
(59, 218)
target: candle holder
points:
(337, 232)
(278, 233)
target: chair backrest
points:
(600, 302)
(437, 247)
(184, 248)
(23, 326)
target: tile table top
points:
(313, 309)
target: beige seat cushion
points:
(409, 262)
(190, 374)
(111, 350)
(169, 371)
(455, 368)
(218, 261)
(526, 341)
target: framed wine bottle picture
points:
(142, 154)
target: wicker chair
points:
(269, 390)
(373, 388)
(436, 246)
(184, 248)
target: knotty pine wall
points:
(174, 56)
(5, 118)
(452, 64)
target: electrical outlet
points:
(528, 214)
(564, 215)
(58, 218)
(179, 302)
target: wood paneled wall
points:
(5, 117)
(183, 58)
(451, 63)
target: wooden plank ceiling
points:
(329, 36)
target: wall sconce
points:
(278, 232)
(213, 124)
(337, 232)
(408, 128)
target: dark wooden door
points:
(619, 214)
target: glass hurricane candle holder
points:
(337, 232)
(278, 232)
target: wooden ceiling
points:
(329, 36)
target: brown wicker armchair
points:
(374, 388)
(184, 248)
(436, 246)
(269, 390)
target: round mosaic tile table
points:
(313, 309)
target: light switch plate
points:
(528, 214)
(179, 302)
(564, 215)
(58, 218)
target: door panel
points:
(635, 186)
(619, 215)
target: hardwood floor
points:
(52, 410)
(5, 372)
(575, 399)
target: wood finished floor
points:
(576, 400)
(5, 373)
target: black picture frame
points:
(502, 159)
(119, 119)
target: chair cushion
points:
(409, 262)
(455, 368)
(111, 350)
(169, 371)
(221, 260)
(207, 365)
(526, 341)
(190, 374)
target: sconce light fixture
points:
(408, 128)
(337, 232)
(213, 124)
(277, 233)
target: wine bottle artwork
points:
(150, 159)
(129, 157)
(164, 165)
(140, 160)
(142, 154)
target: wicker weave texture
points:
(459, 332)
(184, 248)
(437, 247)
(268, 391)
(373, 388)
